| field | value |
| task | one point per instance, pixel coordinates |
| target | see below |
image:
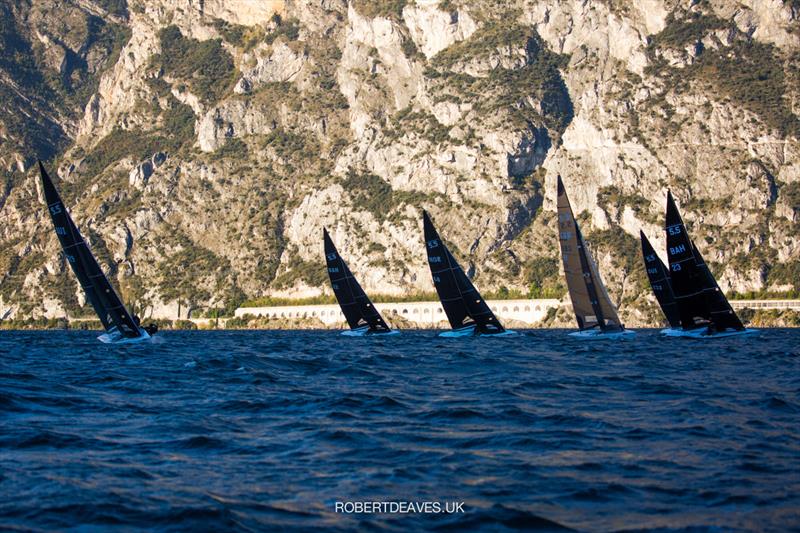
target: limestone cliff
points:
(203, 145)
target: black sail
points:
(99, 291)
(356, 305)
(590, 300)
(660, 282)
(462, 303)
(722, 314)
(699, 298)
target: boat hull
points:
(115, 338)
(364, 332)
(470, 332)
(702, 333)
(596, 334)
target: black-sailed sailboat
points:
(466, 310)
(660, 282)
(120, 326)
(358, 310)
(596, 315)
(704, 311)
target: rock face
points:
(203, 146)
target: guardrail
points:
(766, 304)
(525, 311)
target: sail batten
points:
(590, 300)
(98, 290)
(462, 303)
(700, 302)
(356, 306)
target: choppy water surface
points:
(249, 430)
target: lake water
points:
(263, 429)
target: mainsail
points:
(590, 300)
(462, 303)
(700, 301)
(660, 282)
(356, 305)
(109, 308)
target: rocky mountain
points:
(203, 145)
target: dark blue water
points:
(257, 430)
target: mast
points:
(462, 303)
(356, 306)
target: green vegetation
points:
(374, 194)
(288, 29)
(205, 65)
(117, 145)
(271, 301)
(790, 193)
(313, 273)
(748, 72)
(770, 317)
(508, 90)
(34, 94)
(380, 8)
(179, 122)
(115, 7)
(541, 274)
(182, 272)
(612, 197)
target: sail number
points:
(333, 270)
(652, 271)
(331, 256)
(675, 267)
(70, 258)
(565, 235)
(674, 230)
(61, 231)
(675, 250)
(435, 259)
(433, 243)
(650, 258)
(55, 209)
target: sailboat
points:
(703, 309)
(660, 283)
(465, 308)
(596, 315)
(358, 310)
(120, 326)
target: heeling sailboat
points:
(661, 284)
(596, 315)
(704, 311)
(465, 308)
(358, 310)
(120, 326)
